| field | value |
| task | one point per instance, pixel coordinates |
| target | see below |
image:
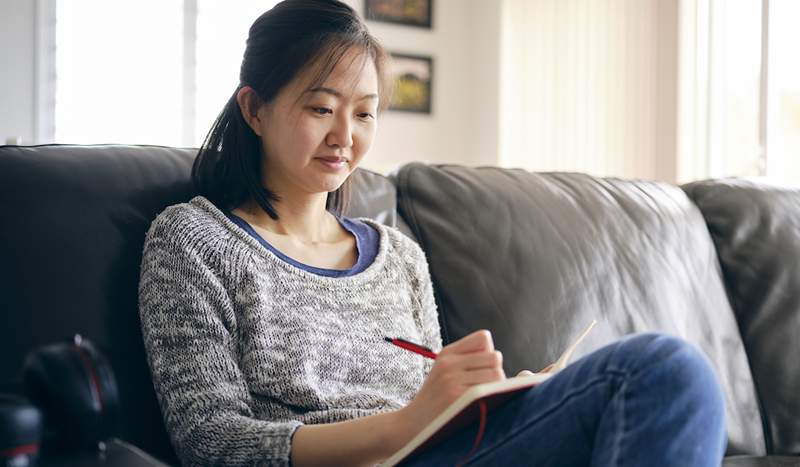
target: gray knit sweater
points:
(244, 347)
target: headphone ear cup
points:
(76, 389)
(49, 374)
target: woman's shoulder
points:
(195, 235)
(192, 221)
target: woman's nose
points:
(340, 134)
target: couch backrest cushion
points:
(756, 229)
(536, 257)
(74, 220)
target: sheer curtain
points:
(586, 86)
(673, 90)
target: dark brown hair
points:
(281, 44)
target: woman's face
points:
(313, 137)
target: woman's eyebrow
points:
(338, 94)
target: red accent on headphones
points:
(87, 363)
(19, 450)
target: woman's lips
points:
(333, 163)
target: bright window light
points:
(735, 91)
(783, 144)
(121, 73)
(118, 71)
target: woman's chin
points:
(330, 183)
(327, 180)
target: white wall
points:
(484, 91)
(17, 81)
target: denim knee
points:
(676, 366)
(648, 349)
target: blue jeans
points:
(646, 400)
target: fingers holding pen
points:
(478, 341)
(460, 365)
(472, 359)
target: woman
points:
(263, 308)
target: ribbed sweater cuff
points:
(277, 443)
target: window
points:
(735, 145)
(750, 113)
(146, 72)
(783, 92)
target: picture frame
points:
(412, 81)
(417, 13)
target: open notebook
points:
(465, 409)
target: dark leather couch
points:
(532, 256)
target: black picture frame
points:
(397, 12)
(412, 79)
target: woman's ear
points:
(249, 104)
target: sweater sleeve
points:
(189, 332)
(423, 286)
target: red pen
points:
(416, 348)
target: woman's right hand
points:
(467, 362)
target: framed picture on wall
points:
(407, 12)
(412, 77)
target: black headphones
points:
(73, 386)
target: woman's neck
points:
(306, 221)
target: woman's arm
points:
(189, 330)
(363, 441)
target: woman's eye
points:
(322, 110)
(365, 115)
